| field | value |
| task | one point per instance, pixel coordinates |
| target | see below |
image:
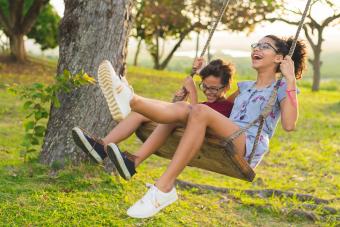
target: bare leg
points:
(125, 128)
(200, 118)
(154, 142)
(159, 111)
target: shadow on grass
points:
(32, 177)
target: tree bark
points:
(17, 47)
(90, 32)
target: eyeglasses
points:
(263, 46)
(213, 90)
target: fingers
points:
(198, 63)
(180, 92)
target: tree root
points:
(264, 193)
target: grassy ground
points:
(306, 161)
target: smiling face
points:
(213, 89)
(264, 55)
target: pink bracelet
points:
(291, 98)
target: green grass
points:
(305, 161)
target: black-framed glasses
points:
(213, 90)
(263, 46)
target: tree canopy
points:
(35, 18)
(161, 20)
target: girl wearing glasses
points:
(269, 57)
(216, 78)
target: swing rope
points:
(272, 100)
(227, 142)
(211, 33)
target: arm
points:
(190, 86)
(189, 92)
(289, 105)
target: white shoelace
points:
(153, 195)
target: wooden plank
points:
(212, 156)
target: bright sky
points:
(59, 6)
(240, 41)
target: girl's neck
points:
(265, 78)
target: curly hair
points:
(219, 68)
(299, 56)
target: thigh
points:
(134, 116)
(221, 126)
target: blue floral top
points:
(247, 107)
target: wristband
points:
(292, 98)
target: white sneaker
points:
(116, 92)
(152, 202)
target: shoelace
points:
(92, 136)
(153, 195)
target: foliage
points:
(36, 97)
(314, 27)
(35, 18)
(160, 20)
(45, 31)
(156, 22)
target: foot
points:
(91, 145)
(117, 92)
(152, 202)
(124, 162)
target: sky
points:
(241, 41)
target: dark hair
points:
(218, 68)
(299, 55)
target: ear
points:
(278, 58)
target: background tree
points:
(313, 30)
(35, 18)
(90, 32)
(138, 27)
(162, 20)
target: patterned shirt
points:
(247, 107)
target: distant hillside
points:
(330, 68)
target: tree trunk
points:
(90, 32)
(135, 60)
(316, 63)
(17, 47)
(156, 53)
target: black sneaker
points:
(92, 146)
(124, 162)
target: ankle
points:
(105, 142)
(166, 188)
(137, 161)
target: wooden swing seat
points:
(212, 156)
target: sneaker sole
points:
(82, 142)
(156, 211)
(116, 158)
(105, 83)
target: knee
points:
(182, 105)
(198, 112)
(182, 109)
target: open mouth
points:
(257, 57)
